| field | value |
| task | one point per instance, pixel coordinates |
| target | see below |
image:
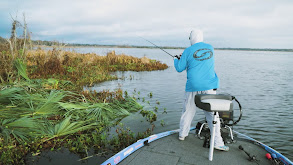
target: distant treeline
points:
(256, 49)
(56, 43)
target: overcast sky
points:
(225, 23)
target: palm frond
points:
(8, 93)
(66, 127)
(50, 104)
(21, 68)
(21, 129)
(72, 106)
(113, 111)
(23, 122)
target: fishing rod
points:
(161, 49)
(278, 156)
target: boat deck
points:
(171, 151)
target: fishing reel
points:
(178, 56)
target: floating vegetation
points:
(150, 115)
(165, 111)
(156, 109)
(162, 122)
(157, 102)
(150, 94)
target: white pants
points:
(188, 113)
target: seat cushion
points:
(218, 104)
(214, 102)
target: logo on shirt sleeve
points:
(202, 54)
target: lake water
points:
(260, 80)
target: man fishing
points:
(198, 61)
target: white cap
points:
(196, 36)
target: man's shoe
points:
(222, 148)
(181, 138)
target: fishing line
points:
(159, 47)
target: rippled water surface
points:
(260, 80)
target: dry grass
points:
(84, 69)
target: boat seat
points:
(213, 103)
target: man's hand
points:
(178, 56)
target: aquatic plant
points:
(162, 122)
(150, 115)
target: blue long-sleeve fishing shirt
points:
(198, 61)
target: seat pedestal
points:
(212, 141)
(213, 103)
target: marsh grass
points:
(84, 69)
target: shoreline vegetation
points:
(43, 106)
(52, 43)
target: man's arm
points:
(180, 65)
